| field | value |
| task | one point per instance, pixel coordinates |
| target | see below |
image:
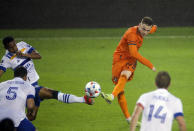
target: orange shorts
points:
(119, 66)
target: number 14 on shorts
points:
(156, 113)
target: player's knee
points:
(126, 73)
(46, 93)
(120, 95)
(55, 94)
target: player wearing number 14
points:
(159, 108)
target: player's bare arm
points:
(181, 123)
(30, 109)
(137, 111)
(33, 55)
(1, 72)
(134, 53)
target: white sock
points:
(69, 98)
(112, 96)
(128, 119)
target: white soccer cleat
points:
(128, 120)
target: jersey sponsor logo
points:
(22, 50)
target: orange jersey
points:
(129, 46)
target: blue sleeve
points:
(30, 50)
(3, 68)
(30, 96)
(178, 114)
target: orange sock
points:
(123, 104)
(119, 86)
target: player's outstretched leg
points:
(117, 89)
(46, 93)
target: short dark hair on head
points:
(147, 20)
(7, 40)
(6, 125)
(20, 72)
(162, 79)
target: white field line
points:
(101, 38)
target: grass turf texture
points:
(72, 57)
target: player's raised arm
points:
(134, 53)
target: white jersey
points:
(13, 96)
(160, 108)
(10, 60)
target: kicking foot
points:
(107, 97)
(88, 100)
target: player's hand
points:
(19, 54)
(30, 116)
(154, 69)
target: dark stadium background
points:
(93, 13)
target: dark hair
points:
(147, 20)
(20, 72)
(6, 125)
(162, 79)
(7, 40)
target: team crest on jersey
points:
(18, 61)
(2, 61)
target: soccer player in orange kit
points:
(125, 60)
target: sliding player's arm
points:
(30, 52)
(137, 111)
(1, 72)
(134, 53)
(32, 55)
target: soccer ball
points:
(92, 89)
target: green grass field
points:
(72, 57)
